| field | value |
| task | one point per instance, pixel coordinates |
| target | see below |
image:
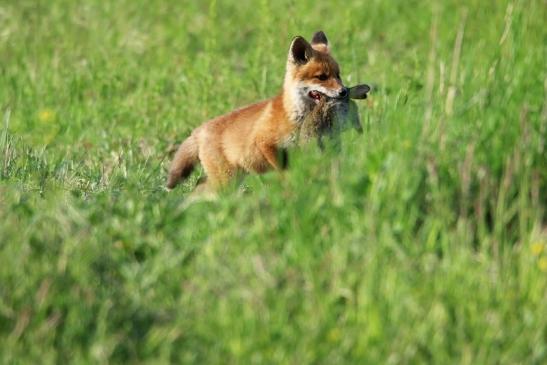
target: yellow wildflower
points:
(46, 115)
(537, 248)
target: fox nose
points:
(343, 93)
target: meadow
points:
(421, 241)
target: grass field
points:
(423, 240)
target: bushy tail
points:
(184, 161)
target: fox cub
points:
(254, 138)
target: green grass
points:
(423, 240)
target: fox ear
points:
(320, 38)
(319, 42)
(300, 51)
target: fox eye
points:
(322, 77)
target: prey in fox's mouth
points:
(355, 92)
(332, 114)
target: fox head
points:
(311, 72)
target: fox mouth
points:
(315, 96)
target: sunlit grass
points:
(420, 241)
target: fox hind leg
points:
(218, 169)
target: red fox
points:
(252, 139)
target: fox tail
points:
(184, 162)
